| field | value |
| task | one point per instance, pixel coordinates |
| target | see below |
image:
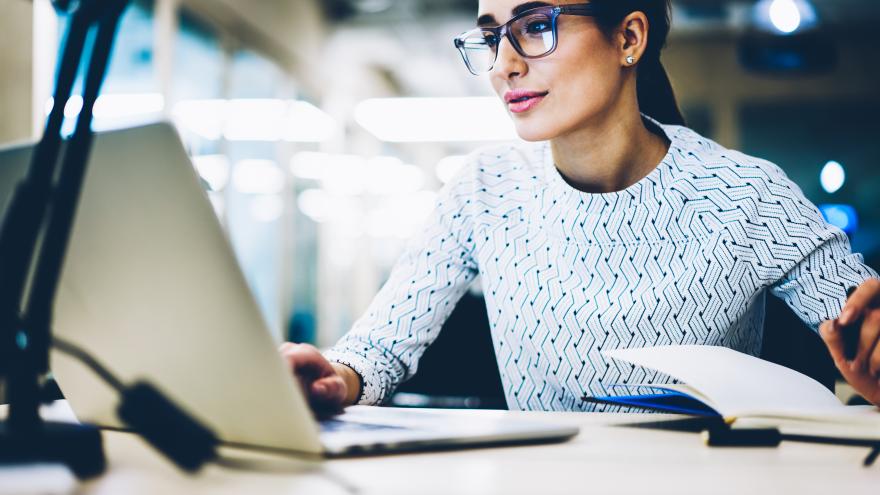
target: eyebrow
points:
(489, 19)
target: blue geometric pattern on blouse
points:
(684, 256)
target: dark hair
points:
(656, 97)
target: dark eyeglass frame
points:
(503, 31)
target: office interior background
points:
(323, 129)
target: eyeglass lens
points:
(533, 36)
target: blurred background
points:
(323, 129)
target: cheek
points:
(586, 89)
(586, 71)
(498, 85)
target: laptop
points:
(151, 287)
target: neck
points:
(610, 153)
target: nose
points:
(509, 64)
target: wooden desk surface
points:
(604, 458)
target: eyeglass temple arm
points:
(582, 9)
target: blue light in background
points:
(843, 217)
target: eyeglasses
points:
(533, 34)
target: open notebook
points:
(718, 381)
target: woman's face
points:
(576, 83)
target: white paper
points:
(740, 385)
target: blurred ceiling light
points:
(388, 175)
(315, 204)
(267, 208)
(214, 169)
(73, 107)
(114, 106)
(258, 177)
(448, 167)
(785, 16)
(204, 118)
(351, 175)
(256, 119)
(345, 175)
(309, 165)
(435, 119)
(832, 177)
(401, 216)
(324, 207)
(308, 123)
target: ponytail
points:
(656, 97)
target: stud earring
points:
(630, 60)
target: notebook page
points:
(861, 423)
(736, 383)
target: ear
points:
(632, 38)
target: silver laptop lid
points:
(152, 289)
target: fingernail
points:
(845, 316)
(319, 388)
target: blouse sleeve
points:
(816, 287)
(405, 317)
(822, 265)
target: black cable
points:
(77, 352)
(725, 436)
(73, 350)
(172, 431)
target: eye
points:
(490, 39)
(537, 26)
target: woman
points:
(614, 227)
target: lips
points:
(522, 100)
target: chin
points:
(533, 131)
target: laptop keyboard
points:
(339, 426)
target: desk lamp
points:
(40, 216)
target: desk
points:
(604, 458)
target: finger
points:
(868, 336)
(285, 351)
(864, 297)
(874, 363)
(329, 389)
(833, 337)
(288, 351)
(327, 396)
(307, 361)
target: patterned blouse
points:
(684, 256)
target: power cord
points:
(167, 427)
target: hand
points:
(863, 372)
(328, 386)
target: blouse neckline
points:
(648, 189)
